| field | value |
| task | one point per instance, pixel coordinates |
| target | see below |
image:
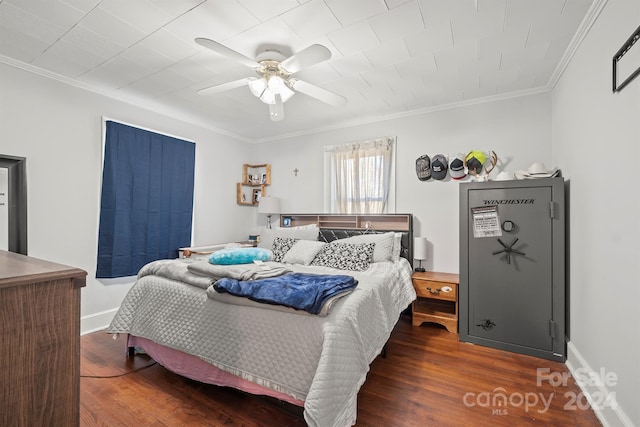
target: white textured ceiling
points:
(389, 57)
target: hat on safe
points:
(537, 170)
(456, 167)
(504, 176)
(475, 161)
(439, 166)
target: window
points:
(360, 177)
(146, 204)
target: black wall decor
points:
(627, 70)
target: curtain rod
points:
(364, 141)
(106, 119)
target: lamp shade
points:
(420, 248)
(269, 205)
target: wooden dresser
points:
(39, 342)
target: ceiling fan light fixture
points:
(286, 93)
(268, 97)
(275, 84)
(257, 86)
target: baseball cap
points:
(423, 167)
(474, 162)
(439, 165)
(456, 167)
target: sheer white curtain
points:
(360, 175)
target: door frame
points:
(17, 200)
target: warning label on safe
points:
(486, 222)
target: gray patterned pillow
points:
(345, 256)
(384, 244)
(281, 246)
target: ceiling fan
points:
(274, 83)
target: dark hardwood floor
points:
(428, 378)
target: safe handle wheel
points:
(508, 249)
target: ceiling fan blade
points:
(230, 53)
(224, 87)
(312, 55)
(318, 93)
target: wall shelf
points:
(253, 187)
(246, 194)
(356, 221)
(256, 174)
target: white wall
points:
(596, 140)
(57, 127)
(518, 130)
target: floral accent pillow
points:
(345, 256)
(281, 246)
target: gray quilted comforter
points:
(321, 360)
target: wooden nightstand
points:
(437, 300)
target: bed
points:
(317, 361)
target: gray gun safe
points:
(512, 266)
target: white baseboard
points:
(96, 322)
(601, 399)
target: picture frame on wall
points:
(256, 195)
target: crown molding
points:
(371, 119)
(582, 31)
(154, 107)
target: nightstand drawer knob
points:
(434, 291)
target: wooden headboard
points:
(339, 226)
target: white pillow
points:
(383, 250)
(397, 246)
(303, 252)
(305, 232)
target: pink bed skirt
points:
(197, 369)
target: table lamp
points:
(420, 251)
(269, 205)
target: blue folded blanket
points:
(302, 291)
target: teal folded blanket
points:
(302, 291)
